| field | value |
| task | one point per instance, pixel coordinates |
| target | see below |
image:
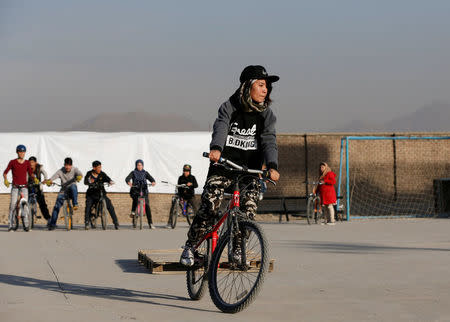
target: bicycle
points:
(99, 206)
(140, 210)
(21, 210)
(32, 203)
(179, 205)
(67, 207)
(314, 213)
(234, 264)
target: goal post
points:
(391, 176)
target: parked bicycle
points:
(179, 206)
(234, 264)
(99, 207)
(140, 209)
(314, 213)
(21, 211)
(67, 207)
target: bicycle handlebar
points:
(176, 185)
(236, 167)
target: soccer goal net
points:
(393, 176)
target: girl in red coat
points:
(327, 180)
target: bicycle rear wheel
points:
(103, 214)
(174, 213)
(238, 268)
(197, 275)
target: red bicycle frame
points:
(234, 203)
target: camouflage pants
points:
(212, 197)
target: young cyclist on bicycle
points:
(20, 168)
(244, 132)
(136, 178)
(39, 172)
(69, 176)
(96, 175)
(187, 193)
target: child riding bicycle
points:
(244, 132)
(69, 176)
(96, 179)
(138, 178)
(20, 168)
(39, 172)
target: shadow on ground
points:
(110, 293)
(351, 248)
(131, 266)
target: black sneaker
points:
(116, 226)
(51, 227)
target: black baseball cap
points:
(257, 72)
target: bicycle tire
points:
(104, 219)
(174, 213)
(197, 276)
(67, 219)
(319, 212)
(259, 263)
(190, 214)
(15, 220)
(134, 220)
(141, 212)
(310, 211)
(25, 214)
(33, 211)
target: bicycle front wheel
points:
(310, 213)
(141, 212)
(190, 214)
(33, 212)
(196, 276)
(25, 214)
(103, 214)
(67, 216)
(238, 268)
(174, 213)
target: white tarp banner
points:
(164, 154)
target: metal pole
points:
(348, 179)
(340, 171)
(306, 163)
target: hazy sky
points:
(65, 61)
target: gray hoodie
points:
(67, 178)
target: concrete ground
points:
(377, 270)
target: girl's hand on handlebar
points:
(214, 155)
(274, 175)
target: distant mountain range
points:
(434, 117)
(138, 122)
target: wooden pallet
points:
(166, 261)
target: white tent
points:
(164, 154)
